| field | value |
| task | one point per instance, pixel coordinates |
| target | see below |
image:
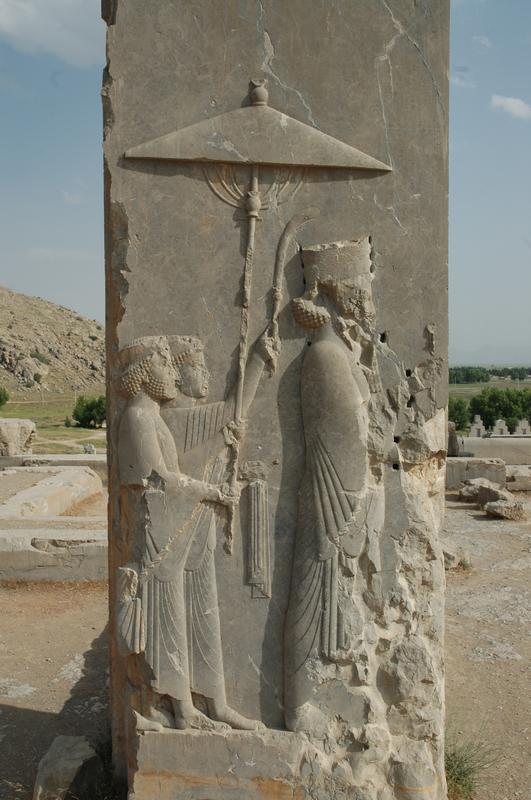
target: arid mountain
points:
(46, 347)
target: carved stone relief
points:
(280, 445)
(168, 623)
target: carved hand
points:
(228, 495)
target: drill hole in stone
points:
(408, 373)
(383, 336)
(396, 465)
(396, 439)
(410, 401)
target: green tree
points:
(468, 375)
(4, 396)
(90, 412)
(458, 412)
(508, 404)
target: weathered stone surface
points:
(461, 470)
(253, 765)
(41, 554)
(59, 489)
(259, 251)
(505, 509)
(16, 436)
(481, 491)
(518, 478)
(70, 770)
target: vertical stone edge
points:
(115, 247)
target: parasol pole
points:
(253, 204)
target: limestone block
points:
(45, 554)
(519, 478)
(481, 491)
(462, 470)
(16, 436)
(70, 768)
(277, 368)
(505, 509)
(59, 489)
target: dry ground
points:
(488, 645)
(53, 659)
(53, 675)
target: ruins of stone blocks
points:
(40, 540)
(462, 469)
(276, 574)
(16, 436)
(500, 428)
(523, 428)
(477, 428)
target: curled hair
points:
(134, 376)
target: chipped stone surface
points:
(277, 361)
(462, 469)
(482, 490)
(506, 509)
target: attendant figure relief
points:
(168, 613)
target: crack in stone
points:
(269, 55)
(402, 31)
(391, 209)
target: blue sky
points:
(51, 56)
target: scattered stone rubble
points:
(493, 499)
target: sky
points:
(51, 205)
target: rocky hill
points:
(44, 346)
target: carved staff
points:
(253, 204)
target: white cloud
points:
(512, 105)
(68, 29)
(483, 41)
(462, 82)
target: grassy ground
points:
(468, 390)
(49, 416)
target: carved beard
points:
(158, 390)
(308, 315)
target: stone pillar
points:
(477, 429)
(523, 428)
(276, 247)
(500, 428)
